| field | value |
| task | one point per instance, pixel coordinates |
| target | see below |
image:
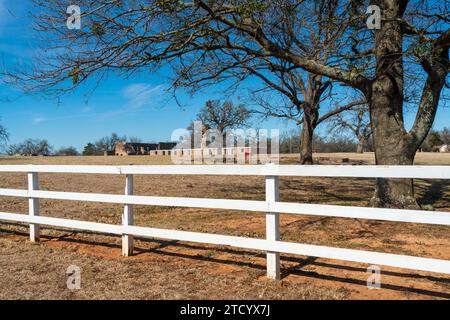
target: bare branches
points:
(341, 109)
(296, 48)
(357, 122)
(223, 116)
(437, 67)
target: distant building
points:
(163, 149)
(135, 148)
(445, 148)
(166, 145)
(206, 153)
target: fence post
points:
(127, 218)
(272, 227)
(33, 205)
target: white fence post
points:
(273, 227)
(127, 218)
(33, 205)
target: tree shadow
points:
(297, 269)
(333, 192)
(433, 193)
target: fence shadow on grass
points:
(293, 270)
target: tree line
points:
(41, 147)
(349, 142)
(106, 145)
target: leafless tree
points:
(108, 143)
(223, 116)
(445, 134)
(4, 136)
(31, 147)
(358, 123)
(67, 151)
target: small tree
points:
(31, 147)
(357, 122)
(435, 139)
(215, 115)
(221, 117)
(4, 136)
(445, 135)
(69, 151)
(108, 144)
(90, 150)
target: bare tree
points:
(108, 144)
(219, 116)
(4, 136)
(31, 147)
(228, 115)
(90, 150)
(129, 36)
(67, 151)
(358, 123)
(445, 134)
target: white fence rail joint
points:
(272, 207)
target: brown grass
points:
(164, 270)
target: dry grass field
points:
(179, 270)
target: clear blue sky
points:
(134, 107)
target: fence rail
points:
(271, 206)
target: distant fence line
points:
(272, 207)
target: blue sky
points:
(134, 107)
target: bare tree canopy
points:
(126, 36)
(357, 122)
(108, 143)
(31, 147)
(223, 116)
(67, 151)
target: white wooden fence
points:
(271, 206)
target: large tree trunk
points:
(391, 143)
(392, 146)
(394, 193)
(306, 154)
(306, 137)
